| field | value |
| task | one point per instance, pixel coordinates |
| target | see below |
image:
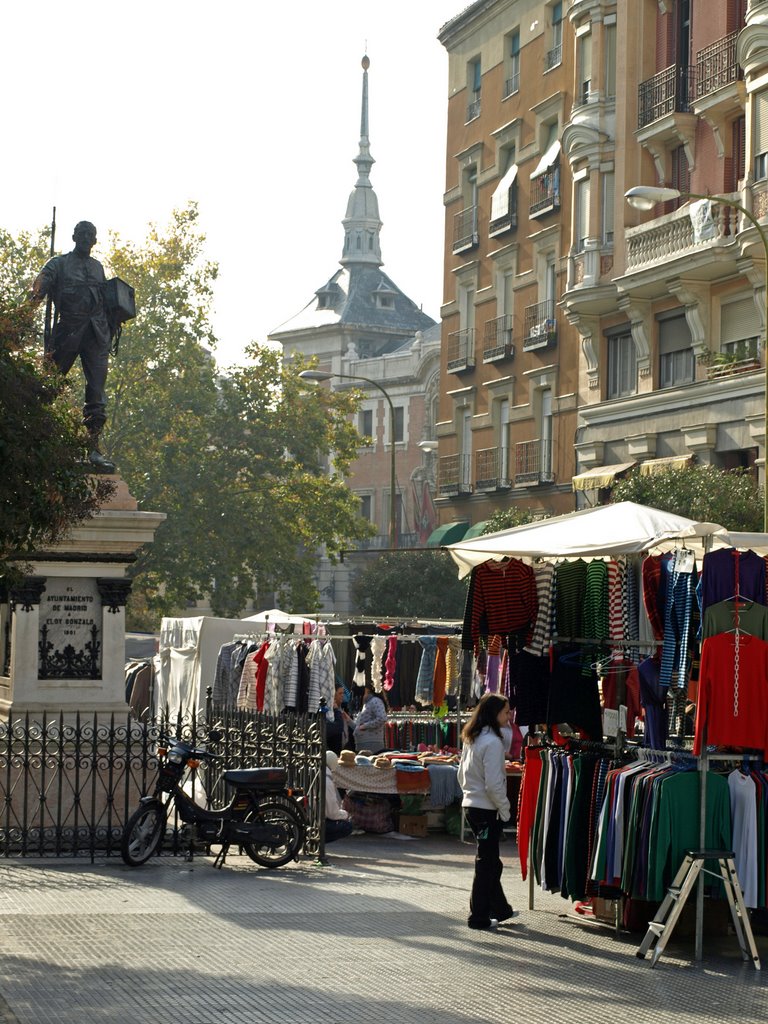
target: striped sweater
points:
(504, 599)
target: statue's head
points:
(84, 237)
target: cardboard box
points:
(413, 825)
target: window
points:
(399, 424)
(740, 329)
(610, 61)
(512, 82)
(676, 361)
(545, 453)
(465, 467)
(761, 134)
(735, 167)
(608, 180)
(581, 214)
(366, 507)
(584, 87)
(365, 422)
(474, 85)
(555, 53)
(681, 176)
(622, 366)
(503, 442)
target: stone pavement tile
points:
(378, 935)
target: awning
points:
(547, 160)
(500, 197)
(476, 530)
(599, 476)
(448, 533)
(653, 466)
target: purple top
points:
(718, 576)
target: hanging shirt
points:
(722, 569)
(505, 599)
(732, 705)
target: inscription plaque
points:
(70, 629)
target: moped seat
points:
(257, 778)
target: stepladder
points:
(661, 927)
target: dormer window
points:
(327, 296)
(384, 297)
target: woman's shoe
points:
(485, 926)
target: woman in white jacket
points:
(483, 779)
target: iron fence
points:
(68, 783)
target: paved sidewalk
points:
(377, 936)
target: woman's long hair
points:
(486, 713)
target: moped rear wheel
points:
(291, 824)
(142, 833)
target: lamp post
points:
(322, 375)
(645, 197)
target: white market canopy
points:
(624, 528)
(278, 618)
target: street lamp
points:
(645, 197)
(318, 376)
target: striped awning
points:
(599, 476)
(448, 533)
(653, 466)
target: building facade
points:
(362, 328)
(581, 336)
(510, 360)
(672, 340)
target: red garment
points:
(262, 667)
(622, 675)
(526, 808)
(651, 583)
(505, 599)
(731, 718)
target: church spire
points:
(361, 223)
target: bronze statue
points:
(76, 284)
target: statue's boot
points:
(97, 459)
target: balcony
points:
(553, 57)
(545, 193)
(533, 462)
(717, 66)
(473, 109)
(461, 350)
(539, 326)
(512, 85)
(453, 475)
(668, 92)
(492, 469)
(671, 236)
(465, 230)
(497, 339)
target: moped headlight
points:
(175, 758)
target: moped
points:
(267, 819)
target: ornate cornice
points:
(638, 312)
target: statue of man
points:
(75, 283)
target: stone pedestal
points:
(62, 631)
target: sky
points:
(119, 113)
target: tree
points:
(45, 487)
(507, 518)
(417, 584)
(706, 493)
(248, 467)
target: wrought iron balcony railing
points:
(539, 325)
(453, 474)
(465, 229)
(492, 469)
(461, 350)
(533, 462)
(497, 339)
(553, 57)
(668, 92)
(716, 65)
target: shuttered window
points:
(607, 211)
(581, 216)
(676, 362)
(622, 366)
(761, 134)
(740, 329)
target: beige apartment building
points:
(582, 336)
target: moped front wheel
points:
(142, 833)
(292, 827)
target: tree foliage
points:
(45, 487)
(410, 584)
(706, 493)
(248, 467)
(513, 515)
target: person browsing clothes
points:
(337, 823)
(369, 724)
(483, 780)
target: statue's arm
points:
(44, 283)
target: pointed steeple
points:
(361, 223)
